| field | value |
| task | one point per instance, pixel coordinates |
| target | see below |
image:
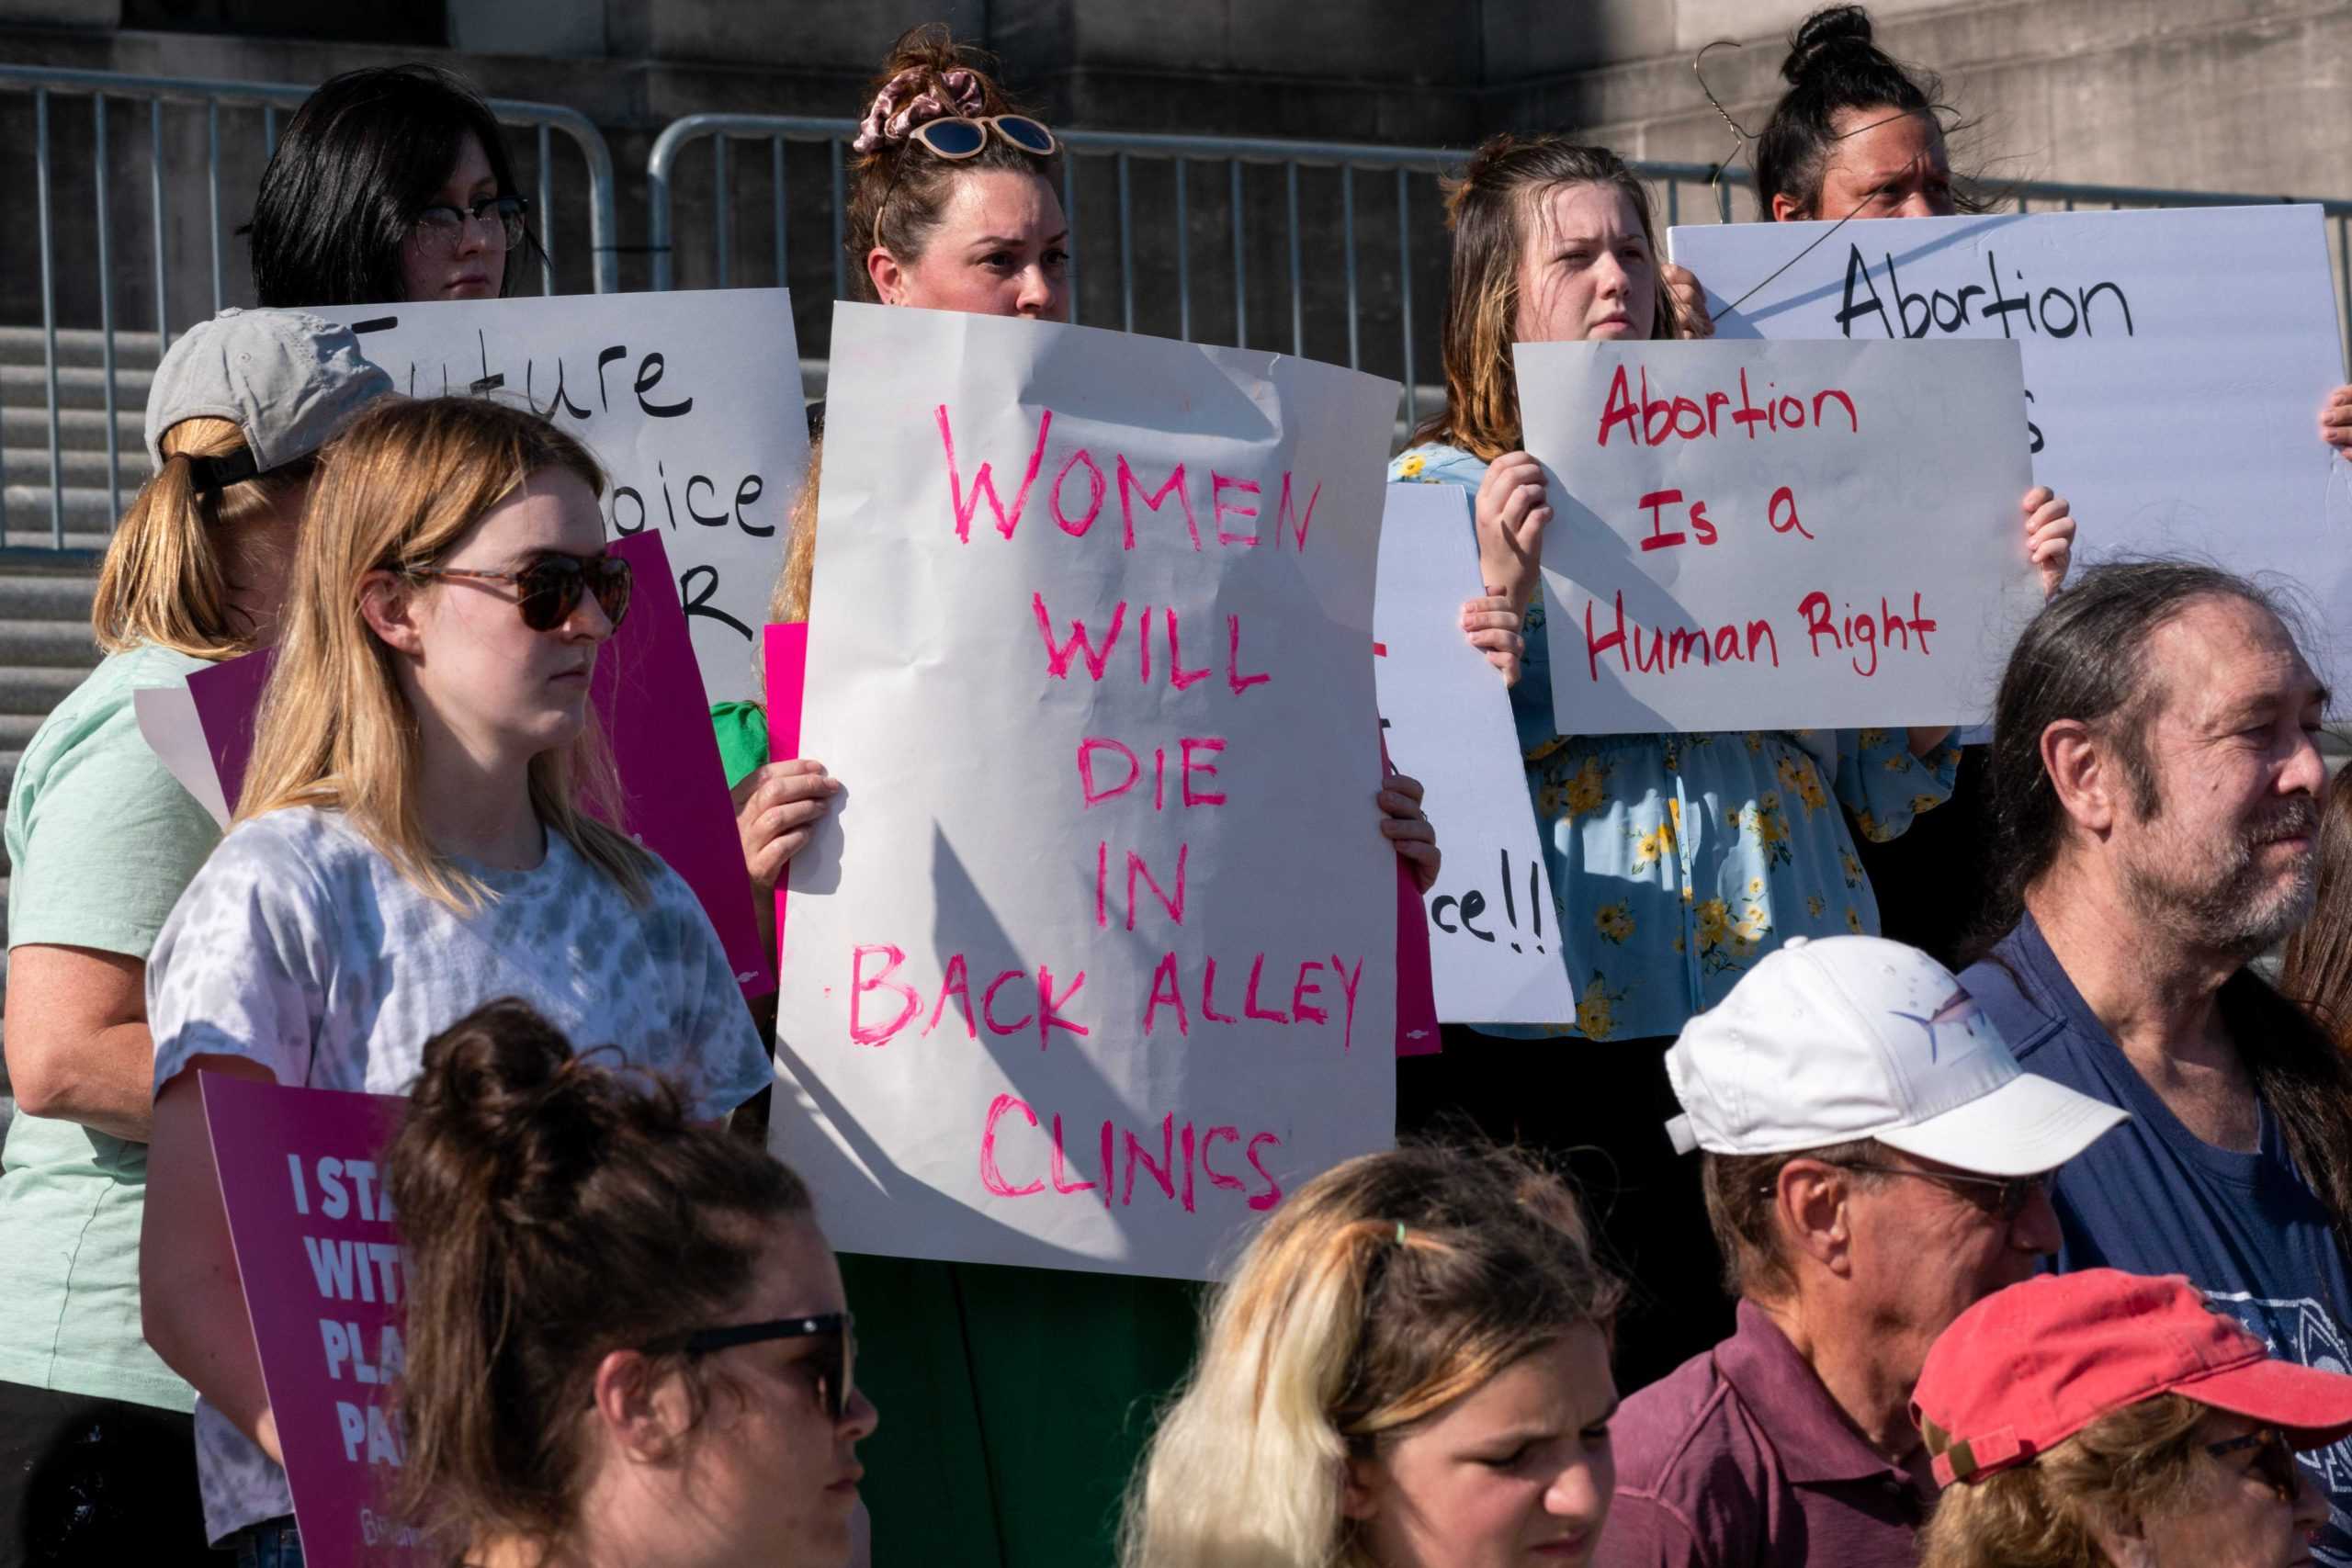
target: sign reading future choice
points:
(692, 401)
(303, 1185)
(1095, 958)
(1777, 536)
(2175, 361)
(1494, 931)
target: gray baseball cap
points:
(286, 378)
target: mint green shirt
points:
(101, 841)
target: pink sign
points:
(649, 695)
(786, 652)
(325, 1282)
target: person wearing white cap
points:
(1874, 1162)
(101, 840)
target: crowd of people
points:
(2040, 1262)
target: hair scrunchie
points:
(912, 97)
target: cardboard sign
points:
(1493, 927)
(647, 694)
(1778, 535)
(1094, 959)
(325, 1281)
(691, 401)
(2175, 361)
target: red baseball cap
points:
(2028, 1366)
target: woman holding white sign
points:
(421, 828)
(1679, 860)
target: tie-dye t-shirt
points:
(299, 946)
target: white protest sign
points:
(1777, 536)
(2175, 361)
(692, 401)
(1095, 959)
(1494, 931)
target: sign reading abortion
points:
(1493, 931)
(2175, 361)
(692, 401)
(1777, 536)
(325, 1282)
(1095, 959)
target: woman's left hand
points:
(1405, 825)
(1492, 627)
(1687, 301)
(2336, 422)
(2049, 536)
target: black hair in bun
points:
(1832, 66)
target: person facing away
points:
(420, 829)
(2108, 1420)
(2156, 784)
(1408, 1369)
(626, 1340)
(97, 1462)
(1874, 1163)
(391, 183)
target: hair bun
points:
(1831, 28)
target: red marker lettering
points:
(991, 1177)
(984, 482)
(866, 1033)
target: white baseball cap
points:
(1849, 1037)
(286, 378)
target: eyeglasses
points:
(2004, 1195)
(2273, 1460)
(959, 137)
(834, 1361)
(548, 590)
(439, 228)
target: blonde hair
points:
(399, 489)
(1489, 207)
(1384, 1289)
(2131, 1465)
(166, 577)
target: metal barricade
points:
(115, 99)
(1182, 264)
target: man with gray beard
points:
(2157, 790)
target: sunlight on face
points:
(1586, 270)
(1001, 249)
(1518, 1472)
(1884, 164)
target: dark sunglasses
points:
(833, 1360)
(548, 590)
(2273, 1460)
(959, 137)
(2004, 1195)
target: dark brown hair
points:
(553, 1210)
(2317, 969)
(1487, 207)
(1833, 67)
(2084, 657)
(1742, 1193)
(902, 186)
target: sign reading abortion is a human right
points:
(1777, 536)
(1095, 959)
(2175, 361)
(691, 401)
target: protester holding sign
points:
(102, 840)
(1409, 1369)
(419, 831)
(391, 183)
(626, 1340)
(1678, 860)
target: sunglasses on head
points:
(832, 1358)
(960, 137)
(549, 589)
(2273, 1460)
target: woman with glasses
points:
(2109, 1420)
(421, 828)
(390, 184)
(652, 1302)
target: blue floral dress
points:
(1681, 859)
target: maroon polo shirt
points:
(1740, 1457)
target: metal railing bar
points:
(212, 175)
(1348, 246)
(1240, 263)
(1184, 261)
(155, 196)
(841, 262)
(48, 321)
(723, 205)
(547, 210)
(1298, 296)
(1405, 291)
(106, 300)
(1126, 252)
(775, 182)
